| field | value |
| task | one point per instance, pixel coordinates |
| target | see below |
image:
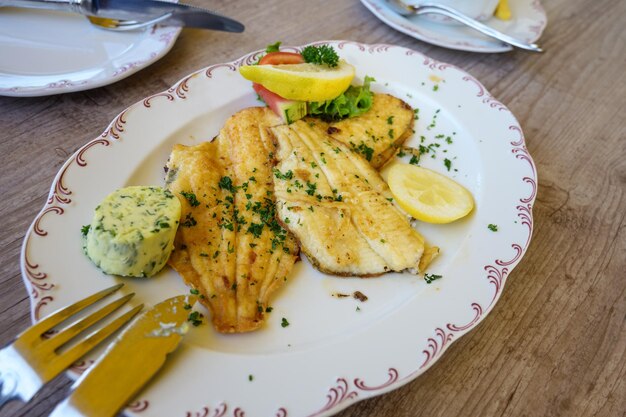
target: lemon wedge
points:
(427, 195)
(503, 11)
(305, 82)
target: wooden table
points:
(555, 344)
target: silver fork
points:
(406, 9)
(32, 359)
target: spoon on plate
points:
(404, 9)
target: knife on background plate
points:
(137, 10)
(129, 363)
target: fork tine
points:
(58, 316)
(65, 359)
(67, 334)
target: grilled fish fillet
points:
(229, 246)
(338, 207)
(378, 133)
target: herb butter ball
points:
(132, 231)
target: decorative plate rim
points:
(346, 389)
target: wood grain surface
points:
(555, 343)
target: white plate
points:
(527, 23)
(45, 52)
(335, 351)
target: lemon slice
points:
(503, 11)
(427, 195)
(305, 82)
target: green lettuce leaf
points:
(353, 102)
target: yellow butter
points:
(132, 231)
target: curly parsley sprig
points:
(323, 54)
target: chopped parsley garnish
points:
(251, 377)
(195, 317)
(85, 229)
(311, 187)
(321, 55)
(415, 160)
(227, 184)
(256, 229)
(286, 176)
(492, 227)
(363, 149)
(191, 198)
(284, 322)
(431, 277)
(390, 120)
(189, 221)
(194, 291)
(433, 122)
(447, 163)
(228, 225)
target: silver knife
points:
(173, 14)
(130, 362)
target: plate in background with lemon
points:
(335, 350)
(526, 22)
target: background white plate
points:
(527, 23)
(46, 52)
(335, 351)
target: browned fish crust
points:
(378, 133)
(229, 246)
(338, 207)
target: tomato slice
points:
(281, 58)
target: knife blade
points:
(138, 10)
(130, 362)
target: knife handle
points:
(76, 6)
